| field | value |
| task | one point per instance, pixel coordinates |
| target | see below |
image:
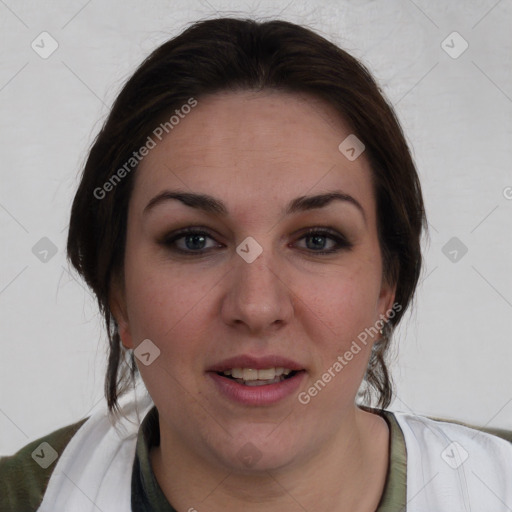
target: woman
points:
(249, 219)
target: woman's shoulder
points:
(24, 475)
(454, 426)
(440, 442)
(494, 431)
(452, 465)
(440, 423)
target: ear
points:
(386, 296)
(117, 305)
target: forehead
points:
(266, 146)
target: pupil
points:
(318, 242)
(194, 244)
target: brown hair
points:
(242, 54)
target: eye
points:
(189, 241)
(318, 238)
(194, 241)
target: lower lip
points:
(257, 395)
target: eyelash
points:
(341, 241)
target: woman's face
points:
(253, 290)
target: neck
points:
(346, 473)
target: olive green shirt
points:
(23, 481)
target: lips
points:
(257, 380)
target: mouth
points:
(258, 377)
(252, 380)
(256, 381)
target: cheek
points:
(164, 305)
(165, 308)
(345, 301)
(339, 357)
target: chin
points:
(257, 448)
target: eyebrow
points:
(210, 204)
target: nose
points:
(258, 297)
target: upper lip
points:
(256, 363)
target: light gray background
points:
(454, 351)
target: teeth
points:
(237, 373)
(250, 374)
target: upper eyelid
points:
(207, 231)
